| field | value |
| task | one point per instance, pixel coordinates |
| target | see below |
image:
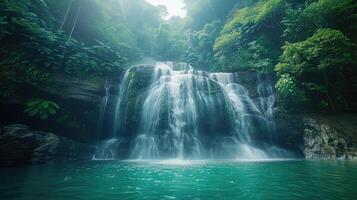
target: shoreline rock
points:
(328, 138)
(19, 145)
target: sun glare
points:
(174, 7)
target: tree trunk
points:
(75, 21)
(66, 15)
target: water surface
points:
(182, 180)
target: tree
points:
(288, 89)
(336, 14)
(202, 41)
(169, 44)
(66, 14)
(202, 12)
(319, 61)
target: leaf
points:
(33, 102)
(54, 105)
(44, 104)
(51, 110)
(33, 112)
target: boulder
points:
(21, 145)
(78, 99)
(52, 148)
(17, 143)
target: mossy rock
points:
(139, 81)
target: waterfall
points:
(267, 100)
(108, 149)
(103, 107)
(119, 109)
(166, 111)
(175, 88)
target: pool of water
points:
(173, 179)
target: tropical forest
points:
(178, 99)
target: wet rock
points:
(21, 145)
(326, 139)
(16, 144)
(52, 148)
(78, 98)
(139, 79)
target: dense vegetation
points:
(309, 44)
(87, 38)
(41, 40)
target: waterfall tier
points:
(164, 113)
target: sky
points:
(174, 7)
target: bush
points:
(41, 108)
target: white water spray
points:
(189, 114)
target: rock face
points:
(78, 99)
(330, 137)
(139, 78)
(16, 145)
(318, 137)
(21, 145)
(289, 130)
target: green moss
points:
(139, 79)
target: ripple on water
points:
(184, 180)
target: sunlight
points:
(174, 7)
(174, 162)
(180, 162)
(178, 99)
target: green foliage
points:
(41, 108)
(200, 53)
(163, 39)
(337, 14)
(320, 63)
(170, 40)
(263, 13)
(251, 37)
(201, 12)
(288, 89)
(326, 49)
(45, 50)
(83, 38)
(309, 43)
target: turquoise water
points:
(182, 180)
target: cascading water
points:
(103, 107)
(243, 113)
(162, 113)
(109, 148)
(125, 83)
(267, 101)
(174, 88)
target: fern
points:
(41, 108)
